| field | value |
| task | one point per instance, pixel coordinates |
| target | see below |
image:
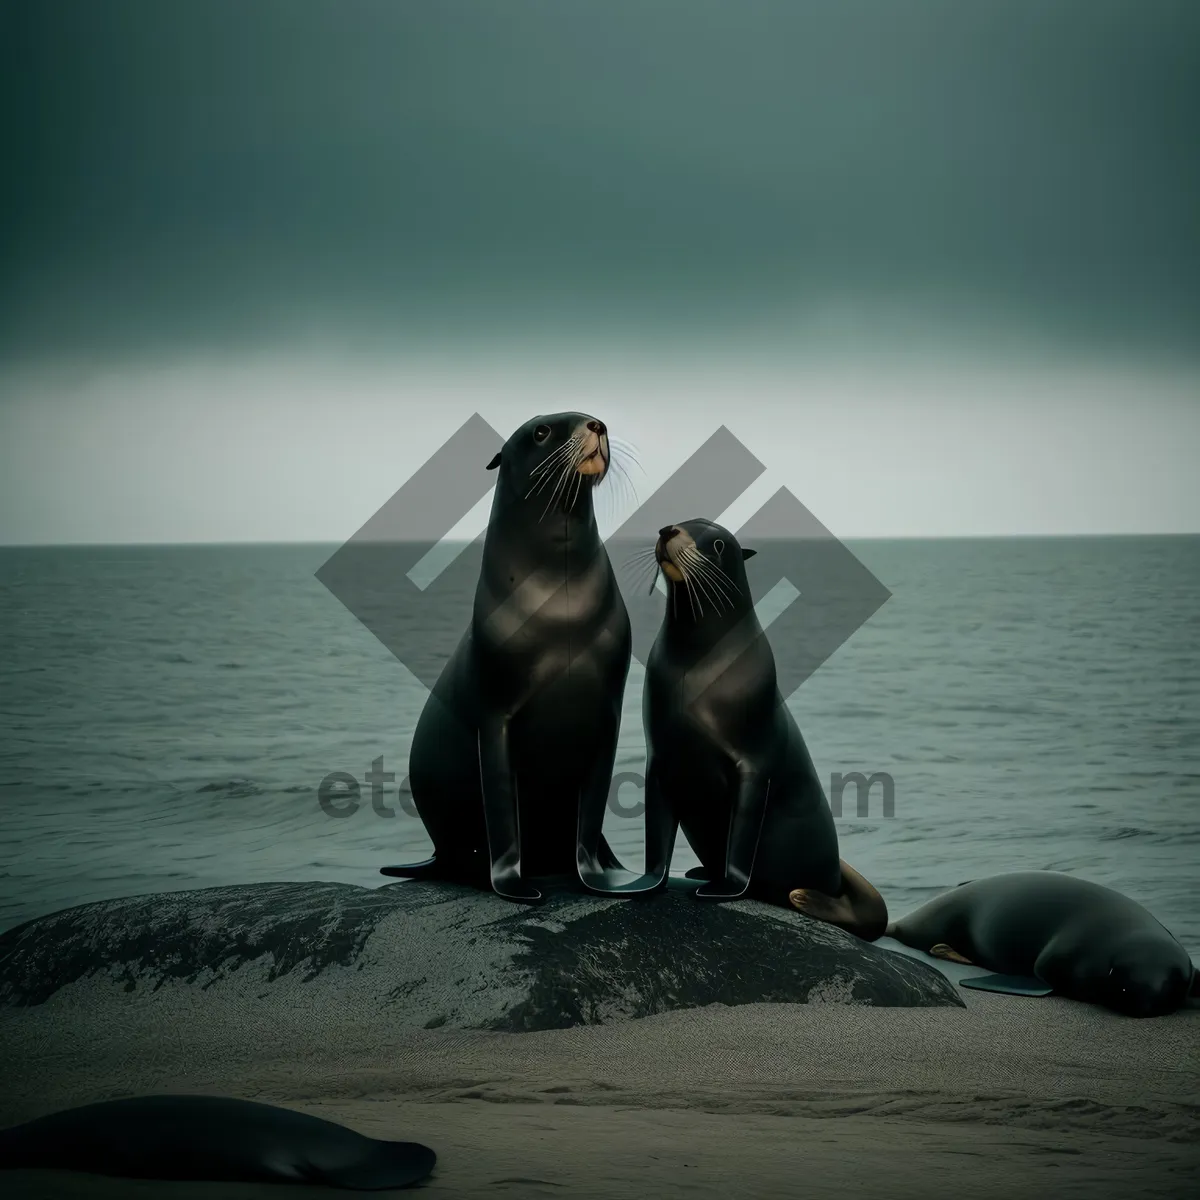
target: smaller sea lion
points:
(726, 760)
(1083, 940)
(211, 1138)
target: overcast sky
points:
(937, 263)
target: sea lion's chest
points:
(699, 714)
(547, 612)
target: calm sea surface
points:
(168, 713)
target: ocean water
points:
(168, 715)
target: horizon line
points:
(907, 537)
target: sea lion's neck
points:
(528, 531)
(694, 620)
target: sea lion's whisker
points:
(684, 588)
(549, 473)
(712, 571)
(543, 479)
(571, 461)
(721, 573)
(628, 489)
(559, 476)
(680, 565)
(560, 482)
(717, 578)
(550, 464)
(702, 585)
(576, 487)
(619, 456)
(638, 575)
(700, 568)
(563, 484)
(627, 449)
(562, 450)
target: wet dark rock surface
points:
(432, 955)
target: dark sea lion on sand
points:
(1083, 940)
(211, 1138)
(512, 757)
(727, 761)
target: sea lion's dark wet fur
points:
(1082, 939)
(512, 757)
(211, 1138)
(726, 758)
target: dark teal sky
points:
(937, 262)
(186, 176)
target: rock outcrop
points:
(430, 955)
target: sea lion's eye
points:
(719, 547)
(541, 433)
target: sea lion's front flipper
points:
(750, 809)
(1008, 985)
(941, 950)
(661, 827)
(607, 857)
(500, 813)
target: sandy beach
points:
(1008, 1097)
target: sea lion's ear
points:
(495, 462)
(747, 553)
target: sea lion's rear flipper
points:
(858, 908)
(429, 869)
(1008, 985)
(383, 1165)
(941, 950)
(701, 873)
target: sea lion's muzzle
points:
(670, 538)
(593, 453)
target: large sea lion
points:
(1081, 939)
(512, 757)
(211, 1138)
(726, 761)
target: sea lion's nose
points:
(597, 426)
(667, 532)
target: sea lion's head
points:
(707, 561)
(1143, 982)
(551, 460)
